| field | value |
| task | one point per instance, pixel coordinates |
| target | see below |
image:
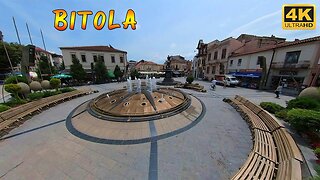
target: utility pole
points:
(44, 45)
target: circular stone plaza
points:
(134, 133)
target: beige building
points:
(180, 65)
(88, 55)
(296, 64)
(213, 58)
(149, 67)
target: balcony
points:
(299, 65)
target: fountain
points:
(168, 80)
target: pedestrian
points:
(224, 84)
(278, 91)
(213, 85)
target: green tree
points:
(100, 70)
(62, 67)
(15, 54)
(77, 70)
(134, 73)
(14, 89)
(190, 79)
(55, 83)
(45, 66)
(117, 72)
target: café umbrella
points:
(61, 76)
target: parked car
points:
(228, 79)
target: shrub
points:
(13, 79)
(271, 107)
(13, 89)
(3, 107)
(67, 89)
(15, 102)
(55, 83)
(317, 150)
(190, 79)
(282, 114)
(304, 103)
(304, 120)
(35, 95)
(50, 93)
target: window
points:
(73, 56)
(83, 58)
(239, 62)
(292, 57)
(215, 56)
(259, 61)
(101, 58)
(213, 70)
(231, 62)
(121, 59)
(113, 60)
(224, 52)
(208, 70)
(209, 56)
(95, 58)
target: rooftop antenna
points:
(44, 45)
(15, 26)
(29, 34)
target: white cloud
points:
(173, 45)
(259, 23)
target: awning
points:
(246, 74)
(110, 74)
(61, 76)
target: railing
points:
(301, 65)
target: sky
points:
(164, 27)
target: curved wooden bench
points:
(264, 145)
(289, 170)
(269, 120)
(18, 113)
(286, 147)
(275, 155)
(254, 120)
(256, 167)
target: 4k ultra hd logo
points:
(299, 16)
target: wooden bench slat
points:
(256, 167)
(289, 170)
(287, 147)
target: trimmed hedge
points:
(271, 107)
(50, 93)
(3, 107)
(15, 102)
(304, 120)
(304, 103)
(283, 114)
(35, 95)
(66, 89)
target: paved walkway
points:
(215, 148)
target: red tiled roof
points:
(94, 48)
(316, 38)
(37, 49)
(253, 51)
(285, 44)
(140, 63)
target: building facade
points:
(296, 65)
(200, 60)
(88, 55)
(148, 66)
(180, 65)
